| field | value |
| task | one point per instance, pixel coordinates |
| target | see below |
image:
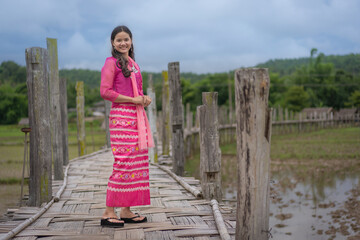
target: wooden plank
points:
(157, 217)
(129, 234)
(161, 235)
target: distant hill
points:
(349, 63)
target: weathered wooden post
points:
(197, 125)
(189, 123)
(230, 86)
(55, 113)
(107, 113)
(210, 153)
(253, 129)
(80, 113)
(151, 111)
(176, 111)
(166, 127)
(40, 186)
(64, 120)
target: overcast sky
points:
(203, 35)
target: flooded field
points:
(310, 203)
(315, 184)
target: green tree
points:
(13, 105)
(296, 98)
(354, 100)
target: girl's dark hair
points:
(121, 61)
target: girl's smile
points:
(122, 43)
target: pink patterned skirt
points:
(129, 182)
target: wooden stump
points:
(253, 129)
(210, 153)
(40, 186)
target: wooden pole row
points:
(253, 131)
(47, 119)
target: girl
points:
(130, 135)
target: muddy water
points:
(308, 202)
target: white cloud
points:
(205, 35)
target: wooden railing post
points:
(151, 111)
(80, 113)
(253, 129)
(40, 187)
(230, 86)
(176, 111)
(64, 120)
(166, 126)
(55, 113)
(210, 153)
(188, 139)
(107, 113)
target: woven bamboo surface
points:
(174, 213)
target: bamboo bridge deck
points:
(174, 213)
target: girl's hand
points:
(138, 100)
(147, 101)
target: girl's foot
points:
(127, 215)
(111, 218)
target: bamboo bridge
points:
(174, 213)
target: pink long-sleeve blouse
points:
(113, 82)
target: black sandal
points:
(131, 220)
(106, 223)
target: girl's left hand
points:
(147, 101)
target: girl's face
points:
(122, 43)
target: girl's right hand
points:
(139, 100)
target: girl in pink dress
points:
(130, 135)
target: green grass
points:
(12, 148)
(342, 143)
(337, 147)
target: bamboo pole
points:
(224, 235)
(181, 181)
(253, 128)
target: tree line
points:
(316, 81)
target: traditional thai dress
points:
(129, 182)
